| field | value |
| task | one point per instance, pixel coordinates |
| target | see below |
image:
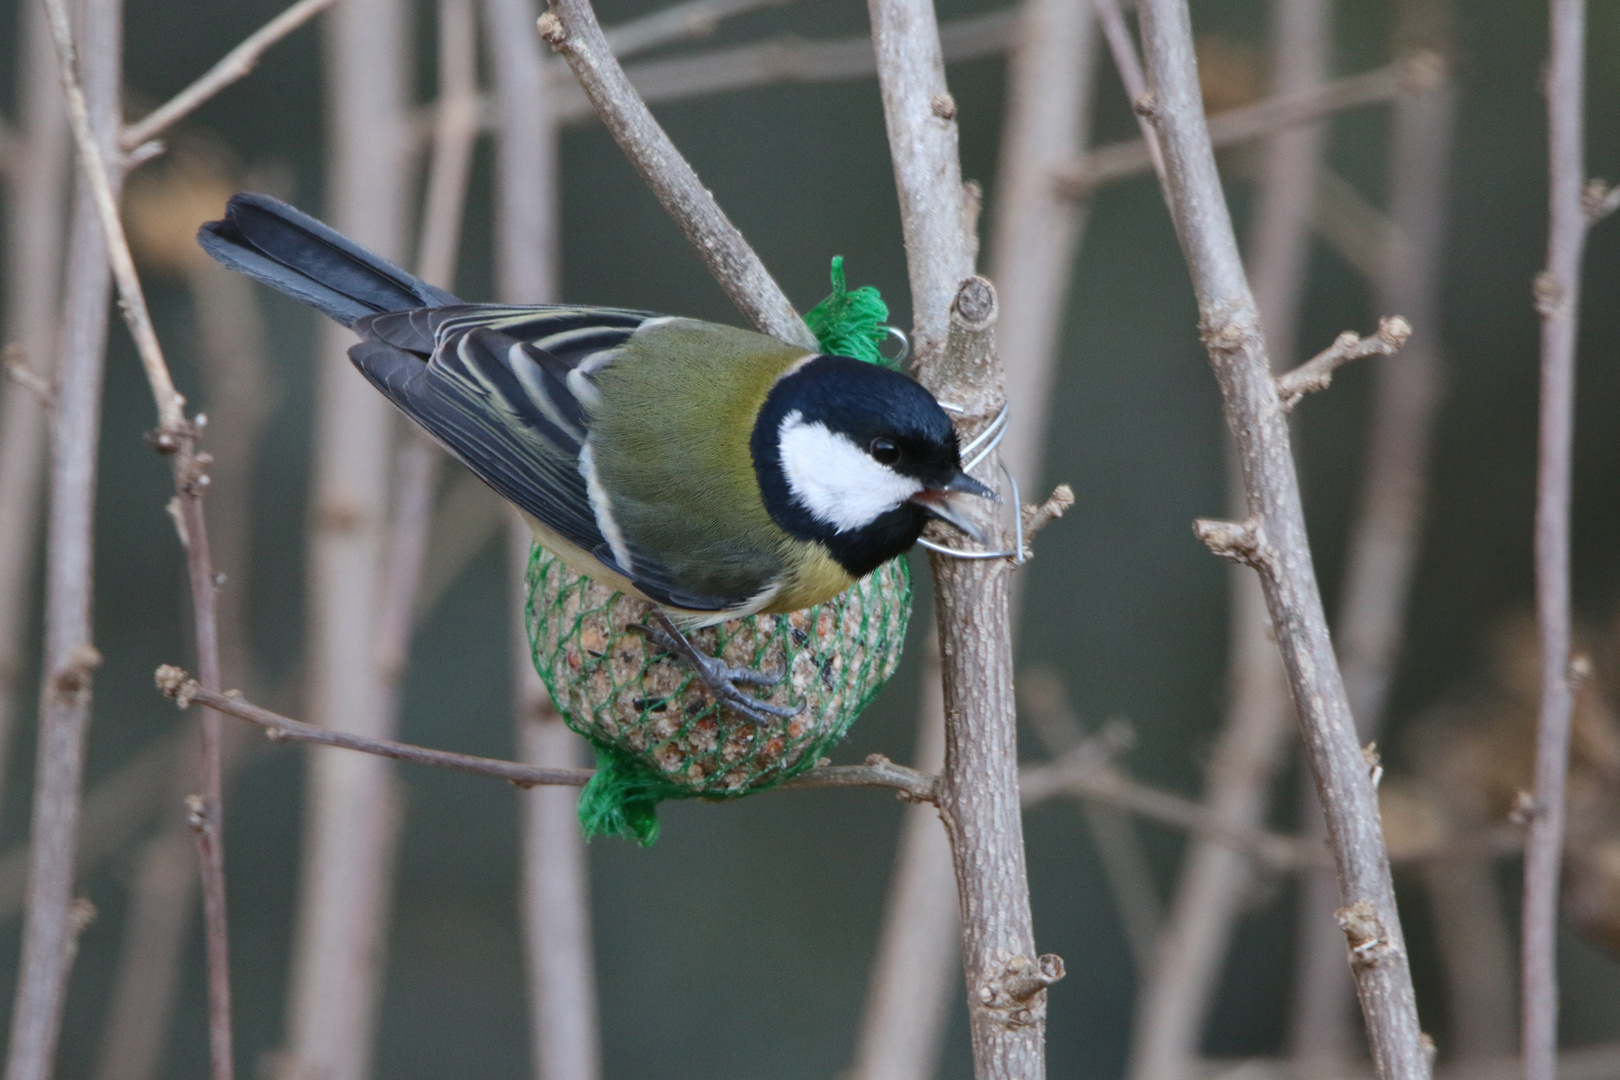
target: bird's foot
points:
(721, 678)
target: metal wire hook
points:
(1017, 554)
(899, 359)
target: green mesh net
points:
(657, 731)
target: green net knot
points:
(619, 800)
(851, 322)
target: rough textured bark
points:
(953, 334)
(1032, 248)
(1174, 1003)
(1273, 540)
(1384, 541)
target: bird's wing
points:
(508, 391)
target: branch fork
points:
(1039, 517)
(1317, 372)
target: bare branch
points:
(1317, 372)
(186, 691)
(572, 30)
(978, 792)
(1280, 112)
(786, 60)
(1557, 294)
(1230, 326)
(691, 19)
(1401, 254)
(878, 771)
(94, 165)
(1039, 517)
(1081, 775)
(554, 891)
(176, 438)
(1129, 67)
(35, 247)
(234, 65)
(175, 683)
(921, 119)
(353, 810)
(70, 659)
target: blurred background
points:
(741, 945)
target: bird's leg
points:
(718, 676)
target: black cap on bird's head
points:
(858, 458)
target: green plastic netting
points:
(657, 732)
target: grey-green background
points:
(739, 946)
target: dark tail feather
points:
(291, 251)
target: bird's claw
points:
(721, 678)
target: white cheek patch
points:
(835, 480)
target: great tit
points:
(711, 471)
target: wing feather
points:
(501, 389)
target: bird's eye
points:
(884, 452)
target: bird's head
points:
(858, 458)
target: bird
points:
(710, 471)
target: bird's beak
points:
(941, 503)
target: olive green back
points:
(671, 442)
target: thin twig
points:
(240, 396)
(70, 659)
(170, 405)
(232, 66)
(186, 691)
(179, 685)
(1557, 295)
(176, 437)
(1601, 200)
(787, 60)
(1082, 776)
(572, 30)
(1129, 67)
(1317, 373)
(1280, 112)
(691, 19)
(1230, 325)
